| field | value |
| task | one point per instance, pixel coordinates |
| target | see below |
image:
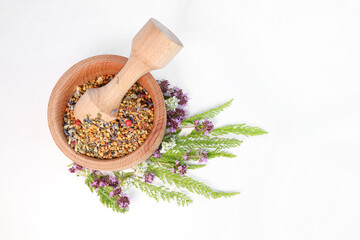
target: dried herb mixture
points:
(107, 140)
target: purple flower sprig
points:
(175, 117)
(179, 114)
(119, 198)
(115, 192)
(174, 123)
(75, 168)
(149, 177)
(123, 201)
(202, 156)
(205, 126)
(101, 180)
(164, 85)
(180, 95)
(173, 92)
(179, 168)
(186, 156)
(157, 153)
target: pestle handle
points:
(155, 45)
(152, 48)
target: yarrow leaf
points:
(211, 113)
(108, 201)
(170, 157)
(238, 129)
(104, 195)
(161, 192)
(186, 142)
(196, 166)
(219, 153)
(188, 183)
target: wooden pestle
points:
(152, 48)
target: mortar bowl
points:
(82, 72)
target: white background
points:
(292, 67)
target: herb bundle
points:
(177, 154)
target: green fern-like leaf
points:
(176, 151)
(196, 166)
(89, 179)
(211, 113)
(162, 163)
(172, 164)
(195, 133)
(188, 183)
(170, 157)
(103, 194)
(238, 129)
(189, 142)
(161, 192)
(165, 161)
(162, 160)
(109, 201)
(219, 153)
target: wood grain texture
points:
(152, 48)
(86, 70)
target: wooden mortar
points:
(84, 71)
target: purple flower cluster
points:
(164, 85)
(149, 177)
(112, 181)
(206, 126)
(178, 93)
(123, 201)
(157, 153)
(115, 192)
(179, 168)
(98, 182)
(75, 168)
(175, 117)
(173, 92)
(186, 156)
(103, 181)
(203, 156)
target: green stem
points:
(122, 176)
(117, 174)
(181, 127)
